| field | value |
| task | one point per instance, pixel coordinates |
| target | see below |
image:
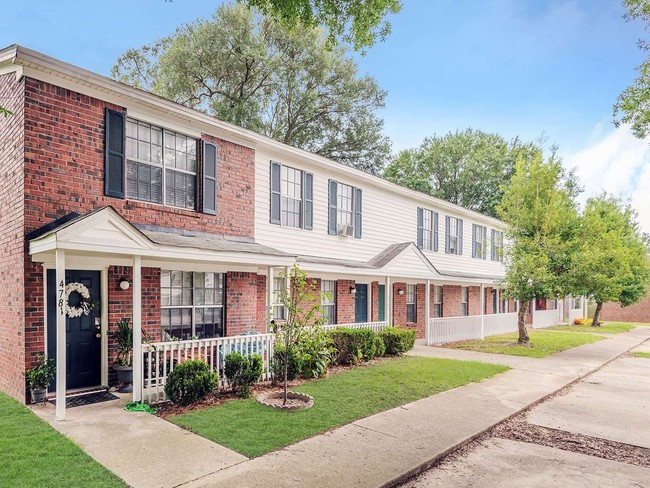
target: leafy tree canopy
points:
(467, 167)
(357, 22)
(258, 73)
(611, 260)
(540, 211)
(633, 104)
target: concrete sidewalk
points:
(379, 450)
(382, 449)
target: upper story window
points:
(497, 245)
(479, 241)
(292, 202)
(437, 301)
(427, 229)
(161, 165)
(191, 304)
(464, 300)
(453, 235)
(328, 289)
(411, 309)
(344, 217)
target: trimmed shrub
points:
(397, 341)
(354, 345)
(277, 367)
(380, 347)
(315, 352)
(190, 382)
(243, 372)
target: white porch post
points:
(269, 295)
(137, 329)
(388, 302)
(427, 309)
(61, 360)
(482, 310)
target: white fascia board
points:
(78, 79)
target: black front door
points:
(83, 344)
(361, 303)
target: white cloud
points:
(619, 163)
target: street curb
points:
(437, 458)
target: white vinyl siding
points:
(328, 289)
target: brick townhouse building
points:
(183, 223)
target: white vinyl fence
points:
(453, 329)
(545, 318)
(501, 323)
(574, 313)
(160, 358)
(374, 326)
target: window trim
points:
(162, 165)
(479, 241)
(275, 294)
(438, 304)
(411, 306)
(299, 174)
(464, 300)
(496, 253)
(428, 237)
(329, 303)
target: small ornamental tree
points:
(611, 263)
(540, 212)
(302, 302)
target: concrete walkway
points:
(375, 451)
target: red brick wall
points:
(262, 317)
(242, 303)
(639, 312)
(399, 304)
(12, 251)
(474, 300)
(489, 307)
(451, 296)
(344, 302)
(374, 296)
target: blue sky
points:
(517, 67)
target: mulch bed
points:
(167, 409)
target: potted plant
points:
(39, 377)
(124, 363)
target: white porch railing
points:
(574, 313)
(453, 329)
(501, 323)
(160, 358)
(375, 326)
(545, 318)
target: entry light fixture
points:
(400, 291)
(353, 290)
(124, 284)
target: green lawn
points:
(608, 328)
(252, 430)
(542, 343)
(639, 354)
(34, 454)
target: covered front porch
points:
(132, 272)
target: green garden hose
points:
(139, 407)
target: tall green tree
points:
(540, 211)
(357, 22)
(255, 72)
(611, 263)
(633, 104)
(467, 167)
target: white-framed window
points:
(161, 165)
(291, 208)
(277, 306)
(437, 301)
(428, 229)
(328, 303)
(411, 308)
(504, 305)
(454, 235)
(464, 300)
(192, 304)
(344, 206)
(479, 241)
(496, 253)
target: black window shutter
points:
(420, 240)
(435, 231)
(308, 191)
(275, 192)
(332, 208)
(447, 234)
(460, 236)
(484, 243)
(357, 213)
(493, 245)
(114, 159)
(209, 178)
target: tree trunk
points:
(521, 323)
(596, 321)
(286, 366)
